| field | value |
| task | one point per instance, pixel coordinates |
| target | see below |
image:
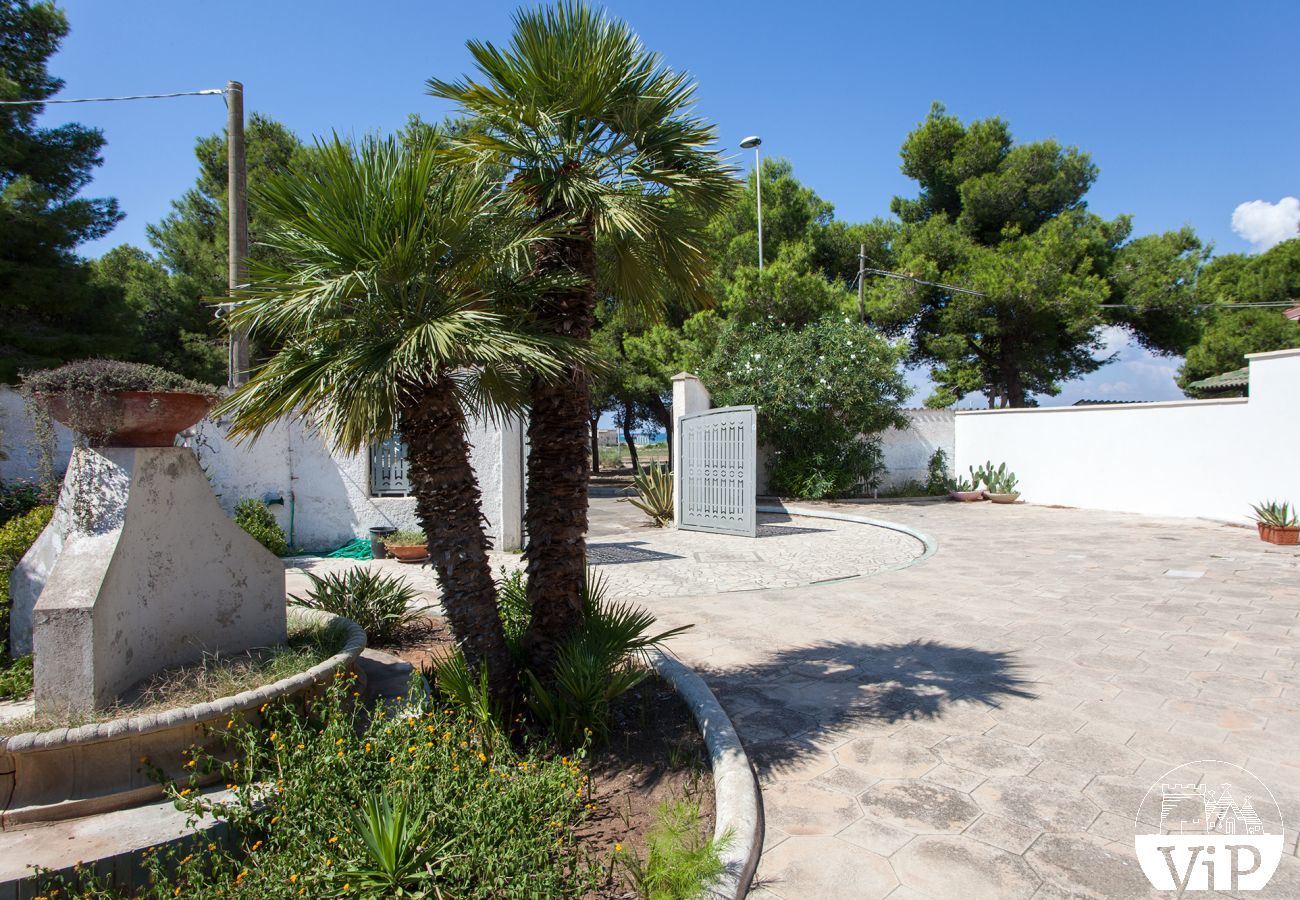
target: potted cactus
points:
(1000, 483)
(407, 546)
(1277, 523)
(967, 491)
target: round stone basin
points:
(65, 773)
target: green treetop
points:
(1010, 222)
(49, 312)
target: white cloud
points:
(1264, 224)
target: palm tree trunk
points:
(556, 515)
(449, 509)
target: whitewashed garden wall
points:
(325, 496)
(1204, 458)
(906, 452)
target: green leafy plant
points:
(408, 538)
(98, 376)
(680, 862)
(654, 494)
(503, 822)
(401, 855)
(965, 485)
(1277, 514)
(600, 662)
(16, 538)
(381, 604)
(822, 391)
(938, 481)
(19, 497)
(255, 518)
(512, 604)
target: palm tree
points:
(598, 136)
(389, 303)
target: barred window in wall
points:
(388, 469)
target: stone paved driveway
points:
(986, 722)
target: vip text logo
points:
(1209, 826)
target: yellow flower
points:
(293, 879)
(618, 848)
(334, 839)
(253, 849)
(367, 746)
(481, 757)
(300, 746)
(274, 734)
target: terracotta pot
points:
(1285, 535)
(408, 553)
(966, 496)
(1003, 498)
(128, 418)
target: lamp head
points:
(751, 142)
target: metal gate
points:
(717, 458)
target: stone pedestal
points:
(139, 570)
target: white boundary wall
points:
(327, 493)
(1203, 458)
(907, 451)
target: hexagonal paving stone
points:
(1083, 865)
(961, 867)
(825, 868)
(1091, 754)
(1035, 804)
(991, 756)
(804, 809)
(886, 758)
(923, 807)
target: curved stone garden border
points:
(72, 772)
(737, 802)
(930, 545)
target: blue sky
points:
(1188, 108)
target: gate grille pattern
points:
(717, 479)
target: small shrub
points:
(255, 518)
(937, 481)
(603, 660)
(611, 457)
(500, 821)
(15, 677)
(406, 539)
(654, 489)
(19, 497)
(512, 604)
(95, 376)
(16, 538)
(380, 604)
(680, 862)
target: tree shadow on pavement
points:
(783, 704)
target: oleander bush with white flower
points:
(824, 392)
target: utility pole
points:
(237, 203)
(862, 283)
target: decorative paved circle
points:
(637, 560)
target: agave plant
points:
(402, 860)
(654, 494)
(1279, 515)
(381, 604)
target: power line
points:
(207, 92)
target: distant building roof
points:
(1293, 313)
(1235, 382)
(1105, 402)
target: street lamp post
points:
(753, 141)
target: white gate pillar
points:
(689, 397)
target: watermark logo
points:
(1209, 825)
